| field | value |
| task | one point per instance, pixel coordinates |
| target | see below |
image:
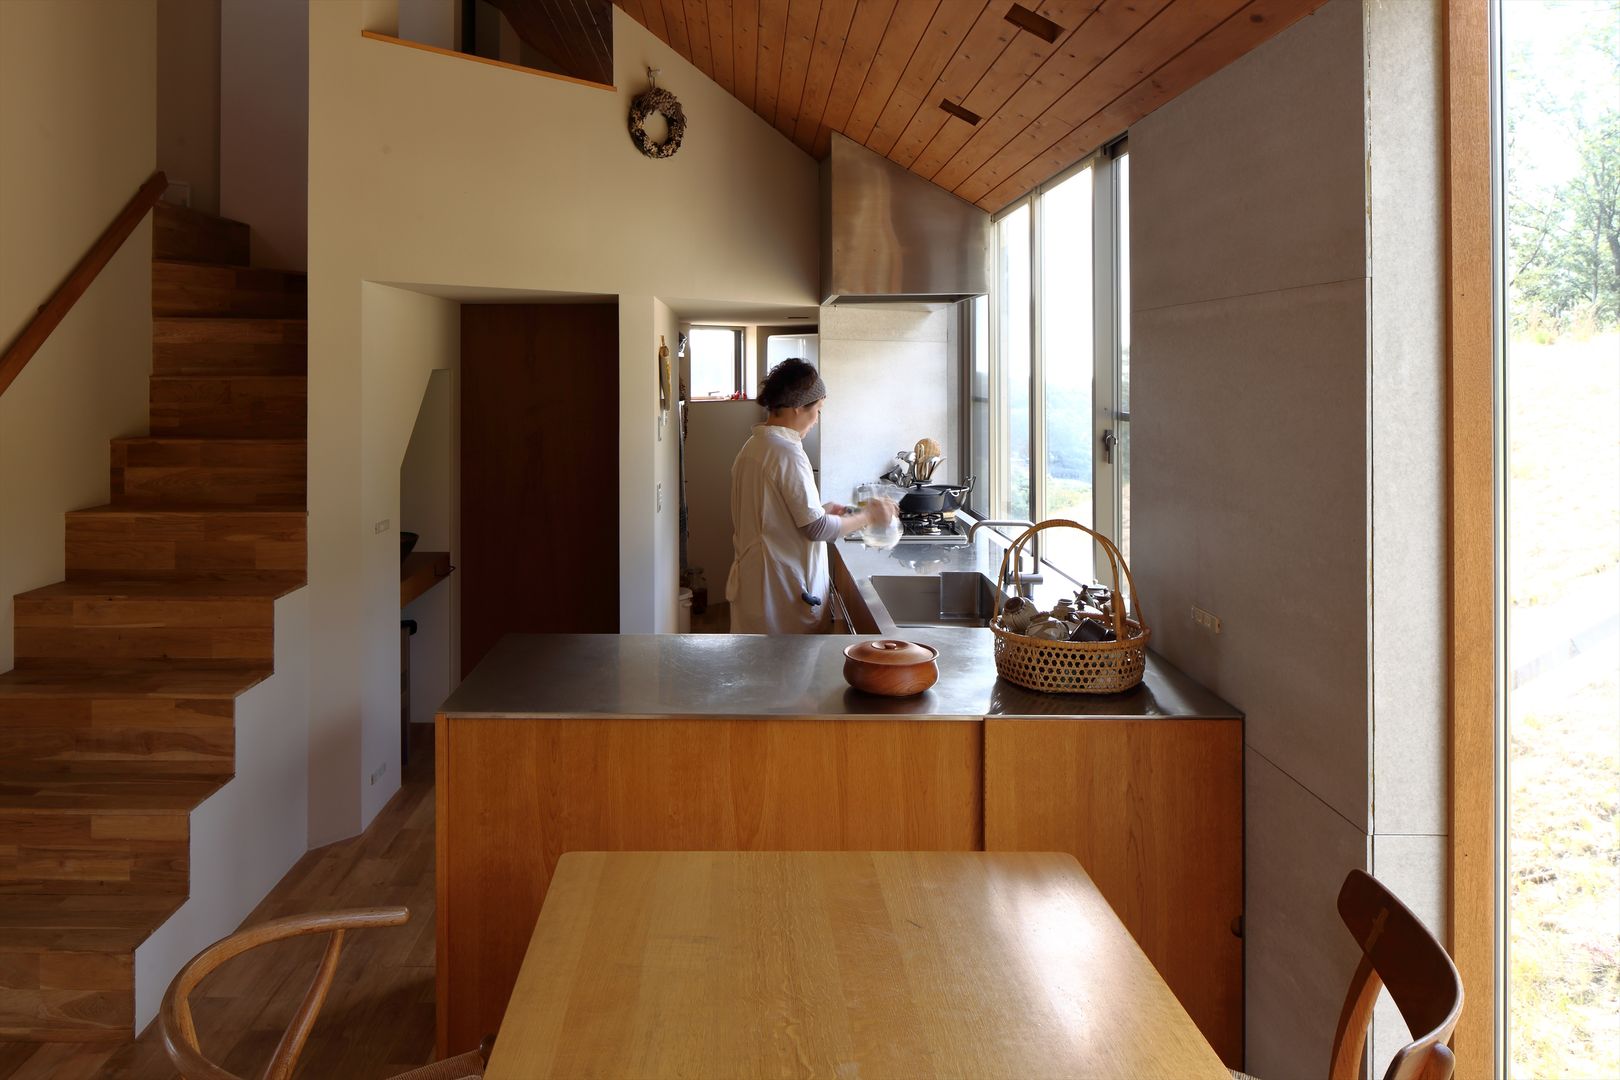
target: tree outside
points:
(1561, 105)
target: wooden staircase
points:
(118, 719)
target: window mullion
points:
(1104, 354)
(1037, 372)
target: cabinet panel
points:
(539, 450)
(516, 794)
(1154, 812)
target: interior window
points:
(716, 362)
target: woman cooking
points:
(778, 580)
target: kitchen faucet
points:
(1025, 580)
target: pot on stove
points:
(935, 498)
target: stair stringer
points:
(249, 833)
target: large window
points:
(1559, 166)
(1046, 384)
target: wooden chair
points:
(180, 1034)
(1399, 952)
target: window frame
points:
(1107, 508)
(738, 361)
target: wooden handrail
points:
(51, 313)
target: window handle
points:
(1109, 439)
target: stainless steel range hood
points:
(888, 235)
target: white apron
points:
(773, 495)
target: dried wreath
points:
(657, 100)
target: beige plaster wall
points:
(406, 337)
(429, 505)
(264, 125)
(188, 97)
(432, 169)
(78, 119)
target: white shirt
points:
(773, 496)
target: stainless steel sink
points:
(948, 599)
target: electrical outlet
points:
(1206, 619)
(376, 774)
(381, 526)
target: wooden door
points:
(1153, 809)
(539, 472)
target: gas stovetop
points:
(928, 529)
(931, 529)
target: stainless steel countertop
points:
(732, 675)
(721, 675)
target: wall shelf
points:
(420, 571)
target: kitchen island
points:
(561, 743)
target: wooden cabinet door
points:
(539, 472)
(1153, 809)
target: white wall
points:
(432, 169)
(432, 22)
(666, 553)
(886, 368)
(429, 505)
(247, 834)
(1286, 471)
(716, 431)
(78, 122)
(264, 125)
(405, 337)
(188, 97)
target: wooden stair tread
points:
(275, 378)
(182, 509)
(119, 718)
(195, 680)
(248, 584)
(176, 212)
(82, 922)
(182, 265)
(202, 440)
(85, 794)
(186, 327)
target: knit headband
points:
(813, 391)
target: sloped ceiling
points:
(985, 99)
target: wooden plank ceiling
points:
(985, 99)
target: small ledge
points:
(420, 571)
(391, 40)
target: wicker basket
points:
(1073, 667)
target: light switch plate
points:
(658, 499)
(1206, 619)
(381, 526)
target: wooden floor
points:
(379, 1018)
(716, 619)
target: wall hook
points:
(652, 76)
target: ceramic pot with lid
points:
(890, 667)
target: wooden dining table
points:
(849, 965)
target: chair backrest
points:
(1397, 951)
(180, 1034)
